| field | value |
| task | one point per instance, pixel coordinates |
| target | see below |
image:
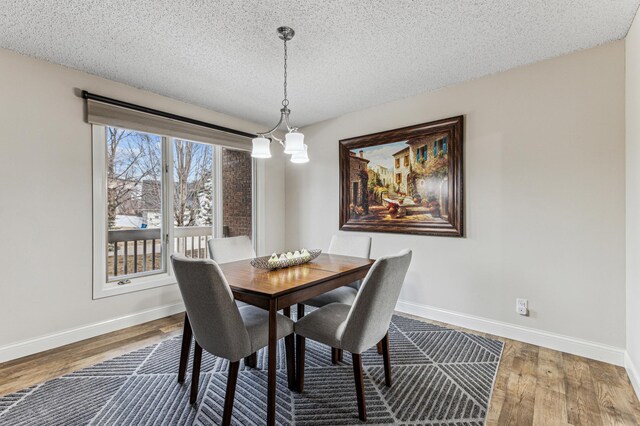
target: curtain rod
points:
(111, 101)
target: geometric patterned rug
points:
(440, 377)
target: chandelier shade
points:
(300, 156)
(261, 148)
(294, 142)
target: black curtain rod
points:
(104, 99)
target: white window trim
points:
(102, 288)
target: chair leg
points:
(291, 361)
(251, 360)
(232, 379)
(186, 347)
(357, 375)
(300, 348)
(387, 362)
(379, 347)
(195, 375)
(334, 355)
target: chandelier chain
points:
(285, 101)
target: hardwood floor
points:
(534, 385)
(28, 371)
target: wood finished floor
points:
(534, 385)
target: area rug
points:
(440, 377)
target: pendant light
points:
(294, 140)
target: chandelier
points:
(294, 141)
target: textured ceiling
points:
(347, 54)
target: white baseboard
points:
(50, 341)
(633, 373)
(559, 342)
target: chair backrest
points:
(371, 312)
(213, 314)
(350, 245)
(225, 250)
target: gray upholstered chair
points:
(225, 250)
(219, 326)
(357, 327)
(346, 245)
(221, 250)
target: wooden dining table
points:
(283, 288)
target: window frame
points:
(101, 286)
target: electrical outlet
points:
(522, 306)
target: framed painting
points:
(406, 180)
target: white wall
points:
(45, 207)
(632, 45)
(545, 200)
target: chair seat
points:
(256, 320)
(345, 294)
(325, 325)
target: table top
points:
(244, 277)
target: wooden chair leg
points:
(232, 379)
(387, 362)
(186, 347)
(291, 367)
(195, 375)
(379, 347)
(359, 379)
(300, 348)
(251, 360)
(334, 355)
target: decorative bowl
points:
(262, 262)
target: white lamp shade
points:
(294, 142)
(300, 156)
(261, 148)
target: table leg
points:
(271, 382)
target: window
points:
(435, 148)
(155, 195)
(398, 178)
(444, 145)
(397, 163)
(406, 160)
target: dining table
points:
(280, 289)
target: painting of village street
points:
(406, 180)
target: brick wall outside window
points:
(236, 192)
